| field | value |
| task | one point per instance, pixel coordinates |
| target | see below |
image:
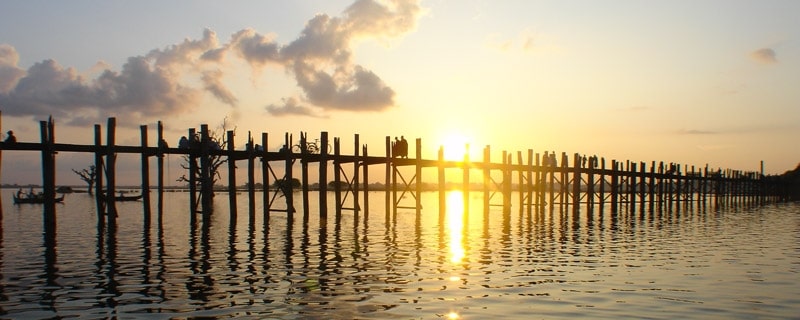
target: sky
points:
(709, 82)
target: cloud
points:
(289, 107)
(165, 81)
(697, 132)
(764, 56)
(10, 73)
(213, 83)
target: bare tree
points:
(217, 140)
(88, 176)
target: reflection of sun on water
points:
(455, 225)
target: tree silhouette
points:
(218, 139)
(88, 176)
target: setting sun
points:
(455, 146)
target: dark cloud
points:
(139, 90)
(764, 56)
(289, 107)
(165, 81)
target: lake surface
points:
(688, 262)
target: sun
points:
(455, 146)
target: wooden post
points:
(145, 176)
(506, 182)
(251, 179)
(529, 186)
(487, 178)
(206, 191)
(51, 178)
(632, 185)
(652, 185)
(304, 172)
(642, 185)
(337, 179)
(366, 184)
(388, 182)
(590, 183)
(162, 146)
(442, 187)
(231, 176)
(551, 185)
(576, 181)
(393, 183)
(323, 175)
(99, 170)
(193, 148)
(540, 185)
(111, 158)
(614, 185)
(521, 182)
(602, 182)
(419, 174)
(289, 194)
(356, 175)
(265, 176)
(48, 181)
(563, 186)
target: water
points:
(738, 262)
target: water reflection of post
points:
(160, 256)
(50, 270)
(199, 263)
(232, 263)
(109, 289)
(146, 256)
(465, 180)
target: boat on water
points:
(20, 198)
(122, 197)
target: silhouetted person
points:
(553, 161)
(11, 138)
(546, 159)
(396, 148)
(183, 143)
(403, 147)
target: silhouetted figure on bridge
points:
(183, 143)
(403, 147)
(10, 138)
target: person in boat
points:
(10, 138)
(19, 193)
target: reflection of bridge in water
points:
(540, 182)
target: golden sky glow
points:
(698, 83)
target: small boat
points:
(123, 197)
(33, 198)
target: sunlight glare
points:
(454, 146)
(453, 315)
(455, 225)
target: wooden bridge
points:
(540, 181)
